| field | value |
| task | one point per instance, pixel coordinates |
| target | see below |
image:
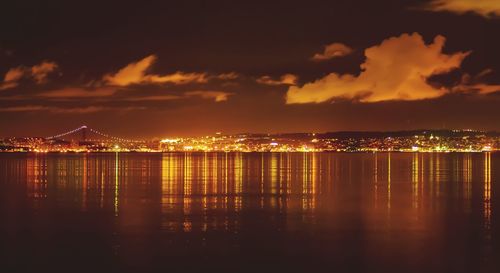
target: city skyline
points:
(85, 139)
(193, 68)
(66, 131)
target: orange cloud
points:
(228, 76)
(469, 84)
(79, 93)
(480, 88)
(154, 98)
(332, 51)
(287, 79)
(76, 92)
(397, 69)
(8, 85)
(486, 8)
(218, 96)
(178, 78)
(136, 73)
(39, 73)
(12, 78)
(14, 74)
(74, 110)
(132, 73)
(27, 108)
(33, 108)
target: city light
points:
(85, 139)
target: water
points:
(251, 212)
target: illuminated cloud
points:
(41, 71)
(332, 51)
(472, 84)
(228, 76)
(397, 69)
(63, 110)
(11, 78)
(76, 92)
(178, 78)
(38, 73)
(287, 79)
(218, 96)
(14, 74)
(27, 108)
(155, 98)
(480, 88)
(132, 73)
(34, 108)
(105, 94)
(486, 8)
(484, 73)
(136, 73)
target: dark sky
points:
(164, 68)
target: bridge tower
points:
(84, 133)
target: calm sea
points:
(250, 212)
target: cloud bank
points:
(77, 92)
(486, 8)
(66, 110)
(396, 69)
(106, 89)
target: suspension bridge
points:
(87, 134)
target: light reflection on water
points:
(412, 206)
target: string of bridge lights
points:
(113, 137)
(68, 132)
(95, 132)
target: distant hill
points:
(384, 134)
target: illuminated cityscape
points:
(84, 139)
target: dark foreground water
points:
(256, 212)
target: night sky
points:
(165, 68)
